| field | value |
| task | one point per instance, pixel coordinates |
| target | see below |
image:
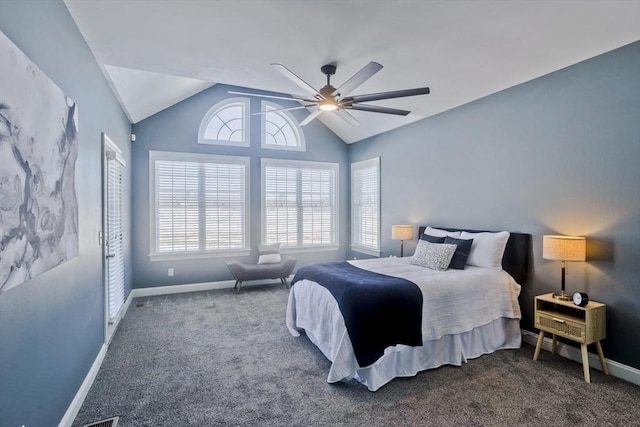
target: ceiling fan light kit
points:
(328, 98)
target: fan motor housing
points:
(329, 69)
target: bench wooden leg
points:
(284, 282)
(238, 286)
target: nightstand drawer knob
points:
(555, 319)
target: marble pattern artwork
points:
(38, 152)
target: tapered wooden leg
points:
(554, 344)
(605, 369)
(585, 362)
(538, 346)
(238, 286)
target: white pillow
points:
(487, 249)
(441, 233)
(269, 254)
(436, 256)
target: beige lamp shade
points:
(402, 232)
(564, 248)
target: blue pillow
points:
(461, 254)
(431, 239)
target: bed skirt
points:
(401, 360)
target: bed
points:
(465, 313)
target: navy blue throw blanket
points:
(379, 310)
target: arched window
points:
(280, 130)
(226, 123)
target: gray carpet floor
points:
(220, 359)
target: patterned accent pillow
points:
(436, 256)
(269, 254)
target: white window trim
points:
(301, 164)
(246, 141)
(365, 164)
(292, 121)
(189, 157)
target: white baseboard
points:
(196, 287)
(616, 369)
(76, 403)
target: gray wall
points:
(176, 129)
(559, 154)
(52, 327)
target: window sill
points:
(198, 255)
(366, 251)
(302, 249)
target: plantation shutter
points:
(299, 204)
(281, 205)
(200, 205)
(224, 205)
(317, 200)
(365, 204)
(178, 206)
(115, 254)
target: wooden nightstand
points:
(585, 325)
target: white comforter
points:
(454, 302)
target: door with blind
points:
(113, 167)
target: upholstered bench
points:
(277, 270)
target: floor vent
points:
(109, 422)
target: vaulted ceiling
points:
(157, 53)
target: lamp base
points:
(561, 296)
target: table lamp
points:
(402, 233)
(563, 248)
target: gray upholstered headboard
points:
(516, 255)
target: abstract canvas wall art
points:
(38, 152)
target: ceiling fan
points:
(328, 98)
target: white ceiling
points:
(156, 53)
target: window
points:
(300, 204)
(226, 123)
(279, 129)
(198, 205)
(365, 206)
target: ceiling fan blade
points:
(291, 98)
(344, 115)
(358, 78)
(377, 109)
(281, 109)
(311, 117)
(295, 79)
(385, 95)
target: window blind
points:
(199, 203)
(365, 204)
(299, 203)
(114, 249)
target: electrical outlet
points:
(170, 272)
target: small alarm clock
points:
(580, 299)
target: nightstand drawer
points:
(561, 325)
